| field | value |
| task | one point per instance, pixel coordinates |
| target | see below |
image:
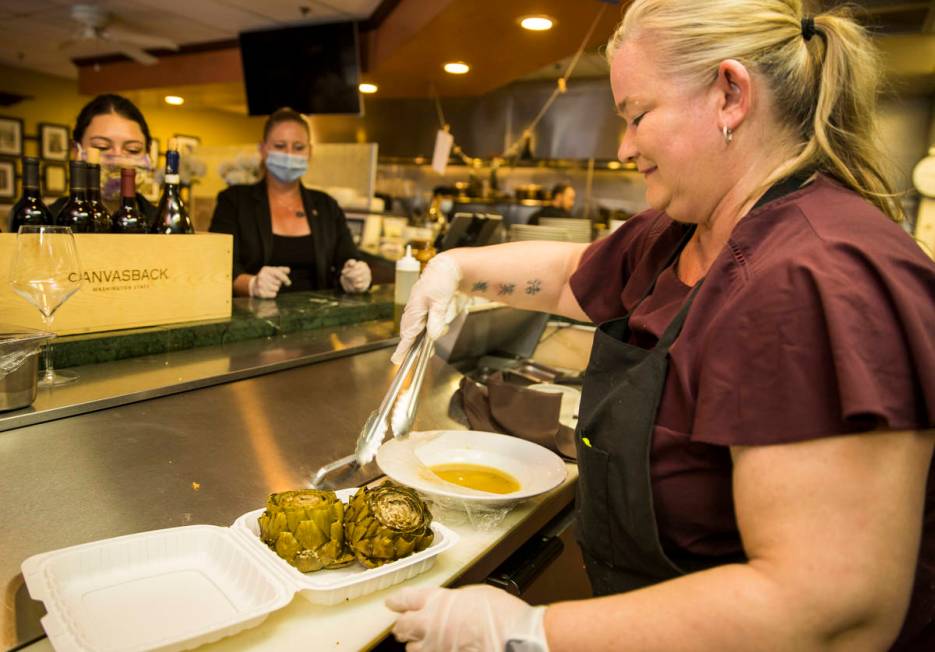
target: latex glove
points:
(432, 304)
(268, 280)
(472, 618)
(355, 276)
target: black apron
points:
(623, 384)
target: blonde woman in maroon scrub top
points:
(757, 418)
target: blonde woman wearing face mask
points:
(115, 127)
(756, 424)
(287, 237)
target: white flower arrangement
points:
(244, 168)
(191, 168)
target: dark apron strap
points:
(686, 236)
(675, 326)
(620, 327)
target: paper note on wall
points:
(443, 142)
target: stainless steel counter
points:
(205, 455)
(134, 379)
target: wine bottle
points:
(76, 213)
(100, 216)
(171, 215)
(128, 218)
(29, 210)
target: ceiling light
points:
(174, 100)
(367, 88)
(536, 23)
(457, 67)
(614, 165)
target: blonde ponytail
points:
(825, 87)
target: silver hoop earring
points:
(728, 134)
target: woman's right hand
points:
(432, 305)
(266, 283)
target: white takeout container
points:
(178, 588)
(406, 460)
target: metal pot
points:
(530, 191)
(19, 365)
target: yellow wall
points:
(56, 100)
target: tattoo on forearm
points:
(480, 286)
(505, 288)
(534, 286)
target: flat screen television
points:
(310, 68)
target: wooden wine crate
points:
(131, 281)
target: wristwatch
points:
(529, 634)
(525, 645)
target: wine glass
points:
(46, 272)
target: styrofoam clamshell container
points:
(178, 588)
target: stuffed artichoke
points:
(305, 528)
(386, 523)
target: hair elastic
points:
(808, 28)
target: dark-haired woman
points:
(286, 236)
(115, 127)
(563, 201)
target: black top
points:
(548, 211)
(146, 208)
(243, 211)
(297, 253)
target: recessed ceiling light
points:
(536, 23)
(174, 100)
(457, 67)
(367, 88)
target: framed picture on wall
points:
(53, 180)
(11, 136)
(53, 141)
(7, 178)
(186, 144)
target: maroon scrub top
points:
(817, 319)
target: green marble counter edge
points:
(250, 319)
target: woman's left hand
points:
(470, 618)
(355, 276)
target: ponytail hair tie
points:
(808, 28)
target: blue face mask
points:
(286, 167)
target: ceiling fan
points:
(96, 27)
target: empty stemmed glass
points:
(46, 272)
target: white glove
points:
(471, 618)
(355, 276)
(432, 304)
(267, 282)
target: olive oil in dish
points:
(476, 476)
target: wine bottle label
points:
(172, 178)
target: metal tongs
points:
(396, 411)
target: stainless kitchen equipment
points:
(547, 568)
(19, 365)
(473, 230)
(530, 191)
(491, 328)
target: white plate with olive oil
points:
(481, 467)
